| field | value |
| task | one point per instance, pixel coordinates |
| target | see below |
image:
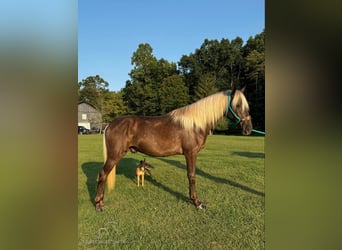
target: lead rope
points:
(258, 131)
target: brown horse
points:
(182, 131)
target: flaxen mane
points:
(207, 111)
(203, 113)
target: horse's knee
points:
(192, 179)
(102, 176)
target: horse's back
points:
(135, 123)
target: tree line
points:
(157, 86)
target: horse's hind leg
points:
(110, 163)
(101, 184)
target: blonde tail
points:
(111, 175)
(111, 179)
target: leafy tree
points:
(137, 92)
(255, 65)
(133, 95)
(191, 70)
(173, 93)
(113, 106)
(92, 90)
(143, 92)
(235, 60)
(223, 59)
(206, 86)
(254, 54)
(143, 63)
(255, 43)
(255, 76)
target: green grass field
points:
(229, 180)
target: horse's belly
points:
(159, 145)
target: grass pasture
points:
(229, 180)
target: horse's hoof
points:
(98, 208)
(201, 206)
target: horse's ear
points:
(233, 89)
(243, 89)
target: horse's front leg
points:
(191, 168)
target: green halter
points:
(229, 108)
(238, 120)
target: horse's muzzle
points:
(246, 126)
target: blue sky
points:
(110, 31)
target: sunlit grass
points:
(229, 180)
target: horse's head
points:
(239, 111)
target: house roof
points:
(81, 102)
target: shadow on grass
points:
(125, 167)
(91, 170)
(250, 154)
(178, 195)
(214, 178)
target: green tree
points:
(255, 43)
(133, 96)
(143, 92)
(138, 94)
(235, 60)
(191, 70)
(254, 71)
(223, 59)
(173, 93)
(255, 66)
(113, 106)
(92, 90)
(205, 87)
(255, 76)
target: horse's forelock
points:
(240, 97)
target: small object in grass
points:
(140, 171)
(201, 206)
